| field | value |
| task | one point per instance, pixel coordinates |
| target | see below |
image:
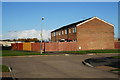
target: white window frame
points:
(54, 34)
(59, 32)
(62, 32)
(65, 31)
(69, 30)
(74, 30)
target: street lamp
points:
(41, 35)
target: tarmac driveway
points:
(55, 67)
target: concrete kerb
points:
(40, 55)
(12, 74)
(86, 63)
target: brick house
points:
(92, 33)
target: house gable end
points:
(95, 18)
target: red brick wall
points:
(20, 46)
(117, 45)
(61, 46)
(95, 34)
(35, 47)
(14, 46)
(52, 46)
(67, 46)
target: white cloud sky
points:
(27, 34)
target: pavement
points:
(62, 66)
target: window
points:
(66, 31)
(62, 32)
(54, 33)
(69, 30)
(74, 30)
(59, 33)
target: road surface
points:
(62, 66)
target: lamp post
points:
(41, 35)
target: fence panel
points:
(20, 46)
(14, 46)
(27, 46)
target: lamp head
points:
(42, 18)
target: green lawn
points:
(93, 51)
(19, 53)
(115, 70)
(4, 68)
(116, 56)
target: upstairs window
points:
(54, 34)
(59, 33)
(74, 30)
(66, 31)
(69, 30)
(62, 32)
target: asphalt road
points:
(55, 67)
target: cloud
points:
(27, 34)
(0, 36)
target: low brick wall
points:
(35, 47)
(67, 46)
(61, 46)
(117, 45)
(14, 46)
(47, 47)
(53, 46)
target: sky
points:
(23, 19)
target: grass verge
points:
(25, 53)
(4, 68)
(93, 51)
(19, 53)
(116, 56)
(115, 70)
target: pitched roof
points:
(79, 23)
(71, 25)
